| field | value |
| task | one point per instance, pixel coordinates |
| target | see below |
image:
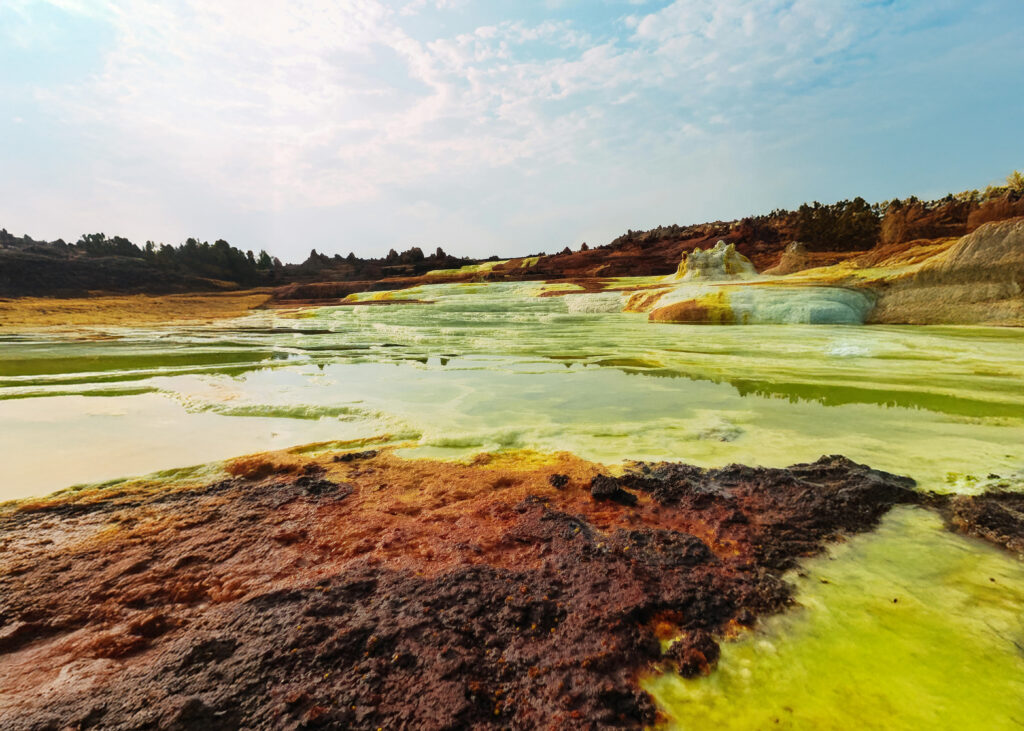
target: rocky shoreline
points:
(362, 590)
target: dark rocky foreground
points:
(365, 591)
(996, 516)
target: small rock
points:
(16, 634)
(559, 482)
(604, 487)
(318, 487)
(352, 456)
(695, 654)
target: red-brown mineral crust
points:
(996, 516)
(371, 591)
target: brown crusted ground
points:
(996, 516)
(31, 313)
(330, 291)
(591, 286)
(321, 293)
(367, 591)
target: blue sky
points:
(489, 127)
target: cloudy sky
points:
(489, 126)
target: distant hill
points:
(97, 262)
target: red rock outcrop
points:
(1010, 205)
(914, 219)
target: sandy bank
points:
(32, 313)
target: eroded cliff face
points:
(362, 590)
(1010, 205)
(979, 280)
(917, 220)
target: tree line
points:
(219, 260)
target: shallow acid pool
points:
(494, 366)
(910, 627)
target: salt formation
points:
(720, 263)
(793, 259)
(704, 294)
(763, 305)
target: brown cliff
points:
(978, 280)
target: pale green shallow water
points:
(491, 367)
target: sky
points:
(489, 126)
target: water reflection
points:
(502, 367)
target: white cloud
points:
(290, 102)
(319, 103)
(292, 105)
(415, 6)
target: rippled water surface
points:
(494, 366)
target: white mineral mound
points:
(718, 264)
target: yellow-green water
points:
(492, 366)
(910, 627)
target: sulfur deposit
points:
(761, 305)
(720, 263)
